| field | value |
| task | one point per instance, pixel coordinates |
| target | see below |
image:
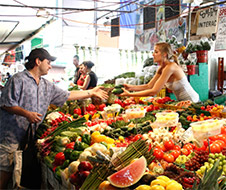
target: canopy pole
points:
(189, 23)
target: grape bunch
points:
(197, 160)
(224, 151)
(212, 159)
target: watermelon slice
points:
(130, 174)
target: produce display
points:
(135, 143)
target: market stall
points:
(134, 143)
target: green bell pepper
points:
(86, 138)
(75, 155)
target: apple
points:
(85, 166)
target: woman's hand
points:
(128, 87)
(98, 92)
(125, 93)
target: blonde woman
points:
(169, 74)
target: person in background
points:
(76, 64)
(81, 80)
(25, 99)
(169, 74)
(8, 75)
(91, 78)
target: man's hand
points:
(98, 92)
(33, 117)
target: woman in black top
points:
(91, 78)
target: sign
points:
(172, 9)
(115, 26)
(221, 31)
(207, 21)
(149, 17)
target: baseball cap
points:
(40, 53)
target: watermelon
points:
(130, 174)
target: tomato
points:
(221, 143)
(188, 146)
(214, 148)
(176, 147)
(150, 108)
(175, 153)
(137, 137)
(168, 157)
(185, 151)
(158, 153)
(162, 147)
(169, 145)
(223, 130)
(213, 138)
(222, 137)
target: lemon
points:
(174, 186)
(164, 178)
(158, 182)
(143, 187)
(157, 187)
(171, 181)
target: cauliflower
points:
(100, 147)
(73, 167)
(52, 116)
(83, 155)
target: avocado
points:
(119, 86)
(117, 91)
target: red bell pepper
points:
(77, 111)
(90, 107)
(59, 159)
(101, 107)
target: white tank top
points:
(183, 90)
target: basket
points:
(223, 114)
(215, 113)
(159, 105)
(172, 107)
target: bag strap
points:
(28, 138)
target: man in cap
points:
(76, 64)
(25, 99)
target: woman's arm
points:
(86, 83)
(32, 117)
(149, 85)
(156, 84)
